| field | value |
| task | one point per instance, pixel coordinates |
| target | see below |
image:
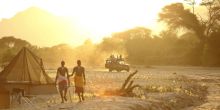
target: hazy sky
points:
(95, 18)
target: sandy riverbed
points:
(165, 88)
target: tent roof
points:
(26, 68)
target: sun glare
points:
(99, 18)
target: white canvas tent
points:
(26, 71)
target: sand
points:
(165, 88)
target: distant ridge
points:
(39, 27)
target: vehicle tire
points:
(118, 70)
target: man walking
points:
(79, 80)
(62, 81)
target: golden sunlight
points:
(109, 54)
(91, 19)
(98, 18)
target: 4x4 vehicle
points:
(118, 65)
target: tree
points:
(192, 3)
(7, 57)
(212, 51)
(9, 47)
(112, 44)
(212, 22)
(138, 45)
(176, 16)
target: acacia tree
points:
(213, 17)
(177, 17)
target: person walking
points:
(62, 81)
(79, 80)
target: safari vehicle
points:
(116, 64)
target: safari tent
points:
(26, 71)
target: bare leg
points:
(61, 94)
(82, 95)
(79, 97)
(65, 91)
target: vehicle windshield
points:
(121, 62)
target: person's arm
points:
(67, 73)
(84, 76)
(68, 76)
(56, 75)
(74, 70)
